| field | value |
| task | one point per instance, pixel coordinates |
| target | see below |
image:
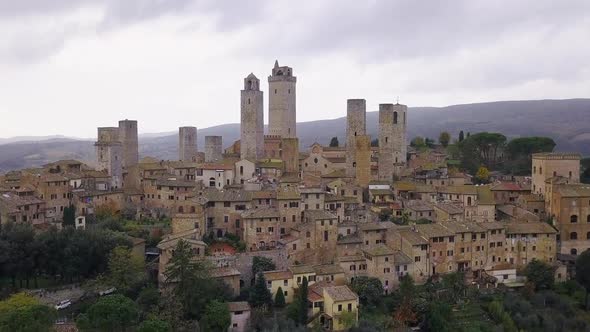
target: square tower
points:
(252, 120)
(109, 154)
(356, 119)
(128, 137)
(392, 140)
(187, 143)
(282, 113)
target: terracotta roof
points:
(450, 208)
(349, 239)
(302, 269)
(227, 195)
(529, 228)
(373, 226)
(319, 215)
(340, 293)
(278, 275)
(433, 230)
(573, 190)
(509, 186)
(221, 272)
(379, 250)
(459, 227)
(264, 194)
(238, 306)
(399, 258)
(328, 269)
(351, 258)
(418, 205)
(288, 193)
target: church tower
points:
(281, 102)
(252, 120)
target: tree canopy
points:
(216, 317)
(444, 138)
(21, 312)
(583, 273)
(369, 290)
(110, 313)
(334, 142)
(260, 296)
(540, 274)
(262, 264)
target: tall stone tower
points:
(128, 137)
(187, 143)
(213, 149)
(109, 154)
(356, 119)
(252, 120)
(392, 140)
(282, 113)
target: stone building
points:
(570, 204)
(356, 125)
(392, 140)
(187, 143)
(109, 154)
(252, 120)
(282, 102)
(290, 155)
(261, 228)
(213, 149)
(129, 140)
(551, 165)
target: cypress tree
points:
(280, 298)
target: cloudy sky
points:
(68, 66)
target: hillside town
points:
(324, 216)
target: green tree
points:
(438, 317)
(375, 143)
(541, 274)
(216, 317)
(126, 271)
(262, 264)
(334, 142)
(260, 296)
(444, 138)
(418, 142)
(302, 301)
(482, 148)
(154, 325)
(148, 299)
(21, 312)
(279, 298)
(519, 153)
(369, 290)
(110, 313)
(583, 273)
(482, 175)
(461, 136)
(429, 142)
(454, 283)
(348, 319)
(69, 216)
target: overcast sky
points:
(69, 66)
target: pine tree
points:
(260, 296)
(334, 142)
(302, 301)
(461, 136)
(279, 298)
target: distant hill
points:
(566, 121)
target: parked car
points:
(107, 291)
(63, 304)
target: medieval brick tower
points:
(187, 143)
(213, 149)
(392, 140)
(128, 137)
(356, 119)
(281, 102)
(252, 120)
(109, 154)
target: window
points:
(225, 219)
(574, 251)
(285, 283)
(340, 307)
(574, 218)
(258, 229)
(417, 259)
(350, 307)
(394, 117)
(325, 235)
(573, 236)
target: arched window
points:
(469, 201)
(315, 160)
(308, 234)
(534, 169)
(573, 236)
(180, 209)
(193, 209)
(394, 117)
(574, 251)
(554, 173)
(588, 236)
(241, 170)
(541, 170)
(211, 182)
(574, 218)
(570, 174)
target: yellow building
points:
(335, 307)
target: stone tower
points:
(362, 175)
(109, 154)
(290, 154)
(213, 149)
(356, 118)
(187, 143)
(128, 137)
(252, 120)
(282, 115)
(392, 140)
